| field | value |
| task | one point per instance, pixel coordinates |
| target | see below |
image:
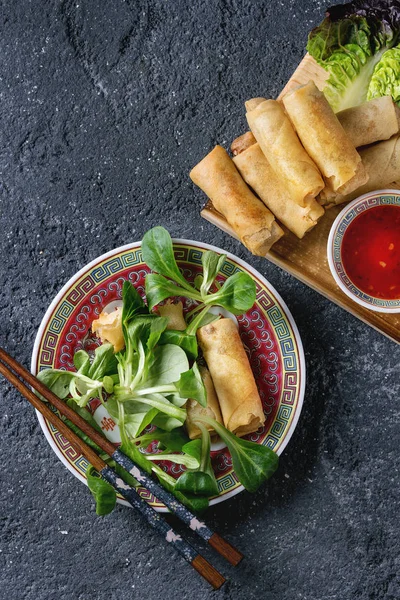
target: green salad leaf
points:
(191, 385)
(104, 362)
(237, 294)
(179, 459)
(133, 452)
(79, 386)
(82, 362)
(385, 80)
(212, 264)
(166, 422)
(172, 441)
(196, 504)
(158, 254)
(183, 339)
(167, 365)
(103, 492)
(132, 303)
(56, 380)
(158, 288)
(201, 481)
(252, 463)
(349, 44)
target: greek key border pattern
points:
(385, 199)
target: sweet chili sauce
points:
(371, 252)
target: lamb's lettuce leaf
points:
(172, 441)
(82, 362)
(202, 481)
(167, 365)
(79, 386)
(253, 463)
(237, 294)
(103, 492)
(186, 341)
(196, 504)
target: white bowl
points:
(338, 229)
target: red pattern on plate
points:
(257, 335)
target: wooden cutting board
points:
(306, 259)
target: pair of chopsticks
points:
(20, 378)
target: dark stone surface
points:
(105, 106)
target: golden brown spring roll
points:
(233, 379)
(253, 103)
(328, 196)
(108, 327)
(280, 144)
(194, 409)
(382, 163)
(241, 143)
(324, 138)
(371, 121)
(258, 173)
(254, 224)
(174, 314)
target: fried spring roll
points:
(324, 138)
(371, 121)
(194, 409)
(241, 143)
(382, 163)
(253, 223)
(108, 327)
(233, 379)
(258, 173)
(280, 144)
(174, 314)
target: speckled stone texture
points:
(105, 106)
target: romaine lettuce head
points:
(350, 43)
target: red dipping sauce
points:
(371, 252)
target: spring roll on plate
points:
(324, 138)
(279, 142)
(174, 313)
(258, 173)
(252, 222)
(194, 409)
(232, 376)
(108, 327)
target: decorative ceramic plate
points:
(268, 332)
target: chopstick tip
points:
(207, 571)
(225, 549)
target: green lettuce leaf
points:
(102, 491)
(385, 80)
(349, 43)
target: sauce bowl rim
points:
(335, 243)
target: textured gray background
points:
(105, 106)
